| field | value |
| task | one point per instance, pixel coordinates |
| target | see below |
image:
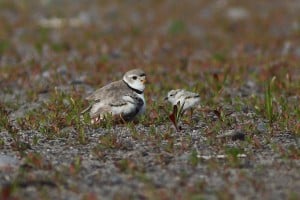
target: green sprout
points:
(176, 115)
(269, 109)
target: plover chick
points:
(185, 98)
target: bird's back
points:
(107, 91)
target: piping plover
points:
(184, 98)
(123, 98)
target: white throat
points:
(137, 85)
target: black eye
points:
(134, 77)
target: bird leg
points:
(122, 119)
(95, 120)
(188, 120)
(191, 113)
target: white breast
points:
(125, 109)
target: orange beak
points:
(144, 81)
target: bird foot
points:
(95, 120)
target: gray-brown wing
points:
(103, 107)
(131, 98)
(106, 91)
(191, 95)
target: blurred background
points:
(187, 38)
(53, 53)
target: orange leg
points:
(122, 119)
(191, 113)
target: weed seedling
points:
(82, 138)
(269, 109)
(4, 122)
(176, 115)
(193, 158)
(233, 155)
(109, 141)
(2, 143)
(76, 165)
(134, 133)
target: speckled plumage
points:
(186, 99)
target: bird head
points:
(136, 79)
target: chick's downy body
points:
(185, 98)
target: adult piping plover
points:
(123, 98)
(184, 98)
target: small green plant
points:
(109, 141)
(124, 165)
(269, 109)
(2, 143)
(193, 158)
(4, 122)
(176, 27)
(169, 147)
(176, 115)
(4, 45)
(233, 154)
(233, 151)
(35, 140)
(75, 166)
(152, 130)
(108, 121)
(219, 57)
(82, 138)
(135, 134)
(36, 161)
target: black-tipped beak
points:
(166, 98)
(144, 81)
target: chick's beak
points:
(166, 98)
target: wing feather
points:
(106, 91)
(115, 98)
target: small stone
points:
(261, 127)
(237, 13)
(238, 136)
(235, 135)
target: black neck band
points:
(137, 91)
